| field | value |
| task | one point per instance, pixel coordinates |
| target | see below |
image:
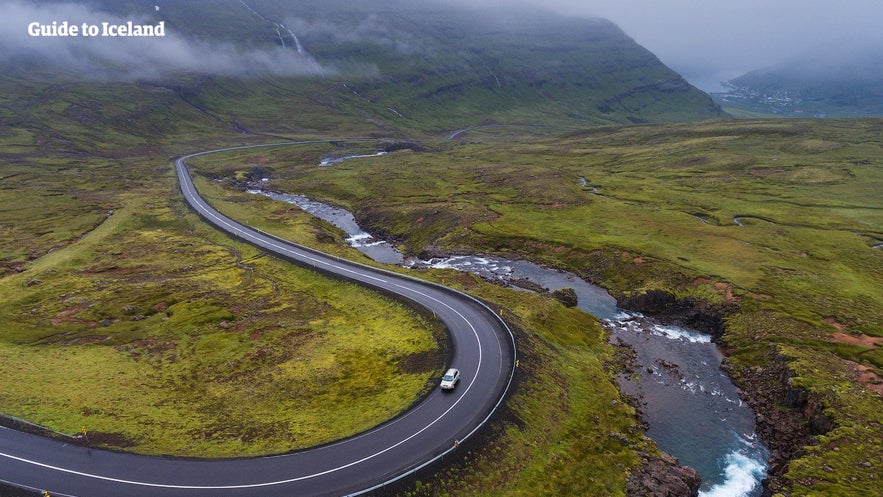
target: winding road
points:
(483, 348)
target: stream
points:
(692, 409)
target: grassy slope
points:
(801, 266)
(173, 341)
(106, 275)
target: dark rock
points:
(526, 284)
(566, 296)
(34, 283)
(688, 312)
(663, 476)
(787, 417)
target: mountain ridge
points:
(411, 66)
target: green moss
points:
(164, 337)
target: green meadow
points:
(785, 212)
(161, 336)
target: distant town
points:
(776, 102)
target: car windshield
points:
(448, 377)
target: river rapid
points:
(692, 410)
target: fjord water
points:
(692, 409)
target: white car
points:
(450, 379)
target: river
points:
(692, 409)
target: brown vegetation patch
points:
(88, 339)
(837, 324)
(727, 290)
(98, 438)
(721, 287)
(862, 340)
(867, 377)
(69, 315)
(151, 346)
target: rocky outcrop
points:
(662, 476)
(688, 312)
(787, 417)
(566, 296)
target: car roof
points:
(451, 371)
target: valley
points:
(534, 137)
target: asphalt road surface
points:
(483, 349)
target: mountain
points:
(404, 65)
(824, 83)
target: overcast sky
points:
(707, 41)
(712, 40)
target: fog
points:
(127, 58)
(708, 41)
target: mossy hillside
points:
(852, 448)
(72, 149)
(426, 67)
(167, 339)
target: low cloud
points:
(128, 58)
(370, 29)
(710, 41)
